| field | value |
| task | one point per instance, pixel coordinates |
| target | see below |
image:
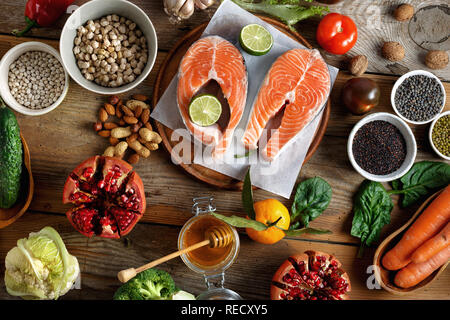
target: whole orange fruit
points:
(267, 212)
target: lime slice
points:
(205, 110)
(255, 39)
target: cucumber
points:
(11, 157)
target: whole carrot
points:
(433, 219)
(413, 273)
(432, 246)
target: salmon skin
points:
(299, 82)
(213, 58)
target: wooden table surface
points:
(61, 139)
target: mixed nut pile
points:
(132, 131)
(112, 51)
(36, 79)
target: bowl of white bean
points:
(32, 78)
(108, 47)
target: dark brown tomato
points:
(360, 95)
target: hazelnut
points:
(436, 59)
(358, 65)
(393, 51)
(404, 12)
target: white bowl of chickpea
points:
(108, 47)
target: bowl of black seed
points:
(381, 147)
(418, 97)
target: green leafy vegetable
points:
(247, 197)
(151, 284)
(240, 222)
(40, 267)
(288, 11)
(372, 210)
(311, 198)
(422, 179)
(298, 232)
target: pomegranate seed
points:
(101, 184)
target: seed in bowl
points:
(419, 98)
(379, 147)
(36, 79)
(111, 51)
(441, 135)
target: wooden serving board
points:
(165, 75)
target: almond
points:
(110, 125)
(130, 120)
(139, 97)
(145, 116)
(122, 123)
(119, 113)
(133, 159)
(104, 133)
(102, 115)
(127, 111)
(133, 137)
(135, 127)
(138, 111)
(148, 125)
(113, 141)
(110, 109)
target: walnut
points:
(393, 51)
(358, 65)
(404, 12)
(436, 59)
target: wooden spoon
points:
(386, 277)
(215, 237)
(8, 216)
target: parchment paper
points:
(278, 176)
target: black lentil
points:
(419, 98)
(441, 135)
(379, 147)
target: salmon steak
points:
(213, 59)
(296, 86)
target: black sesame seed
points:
(379, 147)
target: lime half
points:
(255, 39)
(205, 110)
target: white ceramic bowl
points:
(93, 10)
(411, 146)
(12, 55)
(430, 134)
(399, 82)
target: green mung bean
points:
(441, 135)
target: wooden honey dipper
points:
(215, 237)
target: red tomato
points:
(336, 33)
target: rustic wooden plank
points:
(373, 18)
(101, 259)
(63, 138)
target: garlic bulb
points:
(203, 4)
(183, 9)
(179, 9)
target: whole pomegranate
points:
(312, 275)
(108, 197)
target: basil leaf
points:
(311, 198)
(240, 222)
(247, 197)
(372, 210)
(294, 233)
(423, 178)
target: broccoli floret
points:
(151, 284)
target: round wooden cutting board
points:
(169, 69)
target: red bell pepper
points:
(42, 13)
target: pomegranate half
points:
(312, 275)
(108, 197)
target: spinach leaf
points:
(247, 196)
(240, 222)
(422, 179)
(311, 198)
(372, 210)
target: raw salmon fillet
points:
(299, 81)
(213, 58)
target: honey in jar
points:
(195, 233)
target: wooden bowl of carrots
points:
(416, 254)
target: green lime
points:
(255, 39)
(205, 110)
